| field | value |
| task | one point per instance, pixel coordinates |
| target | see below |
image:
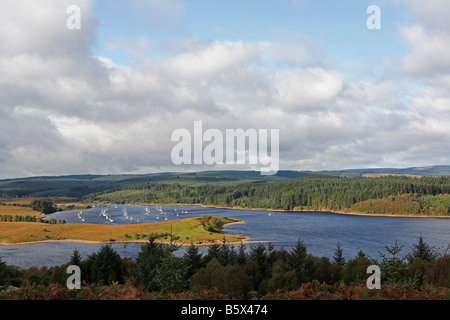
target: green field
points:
(184, 231)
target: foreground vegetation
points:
(227, 272)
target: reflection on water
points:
(321, 232)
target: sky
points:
(106, 97)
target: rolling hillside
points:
(77, 186)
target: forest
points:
(235, 272)
(387, 194)
(256, 271)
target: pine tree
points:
(147, 262)
(258, 254)
(75, 259)
(193, 260)
(338, 257)
(4, 275)
(105, 266)
(300, 262)
(213, 252)
(422, 251)
(360, 254)
(392, 268)
(170, 274)
(242, 255)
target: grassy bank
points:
(184, 231)
(19, 211)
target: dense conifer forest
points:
(389, 194)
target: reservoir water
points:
(320, 232)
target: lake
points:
(320, 231)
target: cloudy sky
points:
(106, 98)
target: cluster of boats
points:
(104, 213)
(160, 213)
(80, 216)
(164, 213)
(125, 214)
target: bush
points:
(212, 224)
(233, 281)
(355, 271)
(44, 205)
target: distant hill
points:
(414, 171)
(77, 186)
(419, 171)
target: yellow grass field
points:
(19, 211)
(376, 175)
(7, 207)
(30, 200)
(189, 231)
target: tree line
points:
(17, 218)
(28, 218)
(240, 271)
(309, 193)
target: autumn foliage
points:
(307, 291)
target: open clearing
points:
(186, 231)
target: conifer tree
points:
(193, 260)
(338, 257)
(422, 251)
(241, 257)
(213, 252)
(105, 266)
(300, 262)
(4, 274)
(392, 267)
(75, 259)
(147, 262)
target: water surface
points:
(320, 231)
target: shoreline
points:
(245, 239)
(391, 215)
(327, 211)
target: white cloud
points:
(431, 14)
(64, 110)
(210, 60)
(38, 27)
(429, 51)
(307, 88)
